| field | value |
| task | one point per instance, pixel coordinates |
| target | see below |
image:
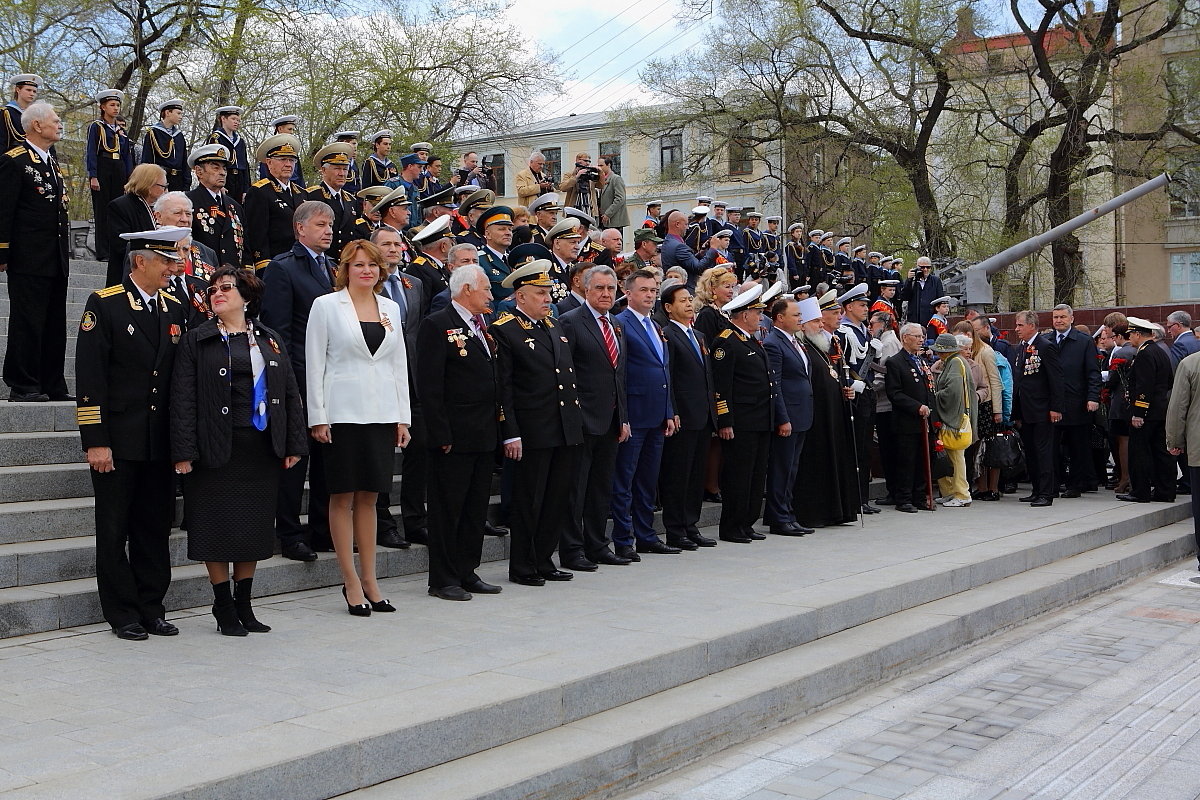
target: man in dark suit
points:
(745, 416)
(126, 350)
(542, 425)
(790, 366)
(126, 214)
(1081, 397)
(651, 419)
(34, 241)
(271, 201)
(293, 280)
(598, 350)
(675, 251)
(909, 386)
(685, 454)
(919, 292)
(1151, 467)
(217, 218)
(408, 293)
(456, 383)
(333, 162)
(1037, 405)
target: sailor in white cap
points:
(165, 145)
(25, 88)
(225, 132)
(697, 234)
(653, 213)
(859, 264)
(217, 219)
(939, 323)
(745, 397)
(703, 200)
(843, 266)
(350, 137)
(378, 168)
(815, 267)
(756, 246)
(109, 160)
(860, 353)
(794, 252)
(886, 303)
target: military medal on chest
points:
(458, 338)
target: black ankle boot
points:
(242, 592)
(225, 612)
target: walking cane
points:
(853, 442)
(928, 468)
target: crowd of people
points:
(256, 335)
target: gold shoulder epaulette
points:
(725, 334)
(503, 318)
(261, 182)
(16, 151)
(109, 291)
(170, 297)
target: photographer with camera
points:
(582, 186)
(531, 182)
(920, 290)
(472, 173)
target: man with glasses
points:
(271, 201)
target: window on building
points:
(553, 166)
(818, 167)
(1184, 190)
(611, 152)
(670, 155)
(1185, 276)
(741, 157)
(1181, 76)
(496, 162)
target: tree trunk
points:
(1065, 163)
(228, 63)
(936, 239)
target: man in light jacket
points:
(613, 213)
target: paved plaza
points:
(1097, 701)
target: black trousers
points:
(111, 175)
(414, 469)
(542, 482)
(591, 495)
(459, 489)
(1151, 467)
(784, 463)
(681, 481)
(37, 334)
(743, 478)
(1037, 439)
(864, 426)
(291, 498)
(908, 482)
(1076, 442)
(134, 506)
(889, 456)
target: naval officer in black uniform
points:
(273, 200)
(126, 348)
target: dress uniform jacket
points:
(12, 132)
(220, 225)
(497, 270)
(376, 172)
(1038, 390)
(238, 179)
(34, 241)
(435, 276)
(745, 394)
(345, 214)
(269, 210)
(168, 149)
(537, 382)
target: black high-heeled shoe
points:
(382, 606)
(363, 610)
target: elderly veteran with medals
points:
(542, 425)
(128, 337)
(237, 421)
(273, 200)
(333, 162)
(217, 218)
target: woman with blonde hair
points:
(358, 409)
(715, 287)
(132, 211)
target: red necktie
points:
(610, 341)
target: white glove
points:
(1104, 375)
(877, 345)
(858, 387)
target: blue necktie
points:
(397, 292)
(695, 344)
(653, 334)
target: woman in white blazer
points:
(358, 409)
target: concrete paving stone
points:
(801, 788)
(879, 786)
(944, 787)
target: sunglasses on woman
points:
(223, 287)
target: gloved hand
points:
(858, 387)
(877, 345)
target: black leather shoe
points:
(736, 539)
(1029, 498)
(785, 529)
(755, 535)
(712, 497)
(579, 565)
(494, 530)
(63, 398)
(1042, 502)
(417, 536)
(611, 559)
(31, 397)
(682, 544)
(867, 508)
(298, 551)
(531, 580)
(133, 632)
(1071, 493)
(656, 546)
(482, 587)
(160, 627)
(702, 540)
(1131, 498)
(1162, 498)
(556, 575)
(449, 592)
(393, 539)
(907, 508)
(887, 501)
(628, 552)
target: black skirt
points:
(230, 509)
(360, 457)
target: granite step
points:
(626, 674)
(39, 447)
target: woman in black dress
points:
(358, 409)
(715, 288)
(237, 421)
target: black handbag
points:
(939, 464)
(1003, 451)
